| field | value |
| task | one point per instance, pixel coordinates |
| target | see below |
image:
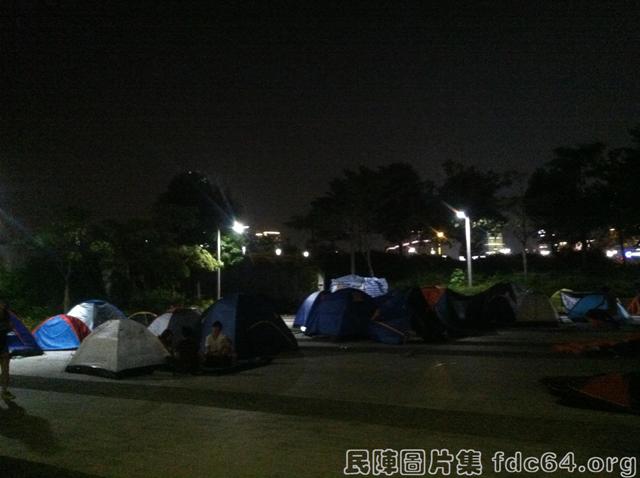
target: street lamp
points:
(278, 251)
(467, 231)
(238, 228)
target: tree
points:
(616, 190)
(520, 222)
(66, 242)
(192, 208)
(364, 203)
(562, 196)
(477, 193)
(404, 202)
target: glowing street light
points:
(238, 228)
(467, 231)
(278, 251)
(305, 254)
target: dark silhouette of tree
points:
(477, 193)
(387, 201)
(617, 191)
(562, 196)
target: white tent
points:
(118, 347)
(95, 312)
(175, 321)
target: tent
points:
(251, 323)
(305, 309)
(175, 321)
(60, 332)
(19, 339)
(499, 304)
(558, 300)
(391, 323)
(95, 312)
(143, 317)
(345, 313)
(579, 306)
(374, 286)
(533, 307)
(458, 314)
(118, 348)
(461, 315)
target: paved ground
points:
(298, 416)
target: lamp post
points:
(467, 233)
(238, 228)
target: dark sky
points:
(108, 100)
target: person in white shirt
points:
(218, 348)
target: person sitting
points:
(186, 355)
(218, 348)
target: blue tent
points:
(344, 313)
(392, 321)
(251, 323)
(60, 332)
(303, 311)
(20, 340)
(580, 304)
(96, 312)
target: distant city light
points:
(545, 252)
(278, 252)
(611, 253)
(412, 250)
(439, 234)
(461, 215)
(305, 254)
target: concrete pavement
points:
(298, 416)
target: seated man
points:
(218, 348)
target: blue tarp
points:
(20, 341)
(374, 286)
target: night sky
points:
(107, 101)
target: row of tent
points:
(111, 344)
(436, 313)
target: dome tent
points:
(305, 309)
(19, 340)
(251, 323)
(61, 332)
(175, 321)
(118, 348)
(95, 312)
(345, 313)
